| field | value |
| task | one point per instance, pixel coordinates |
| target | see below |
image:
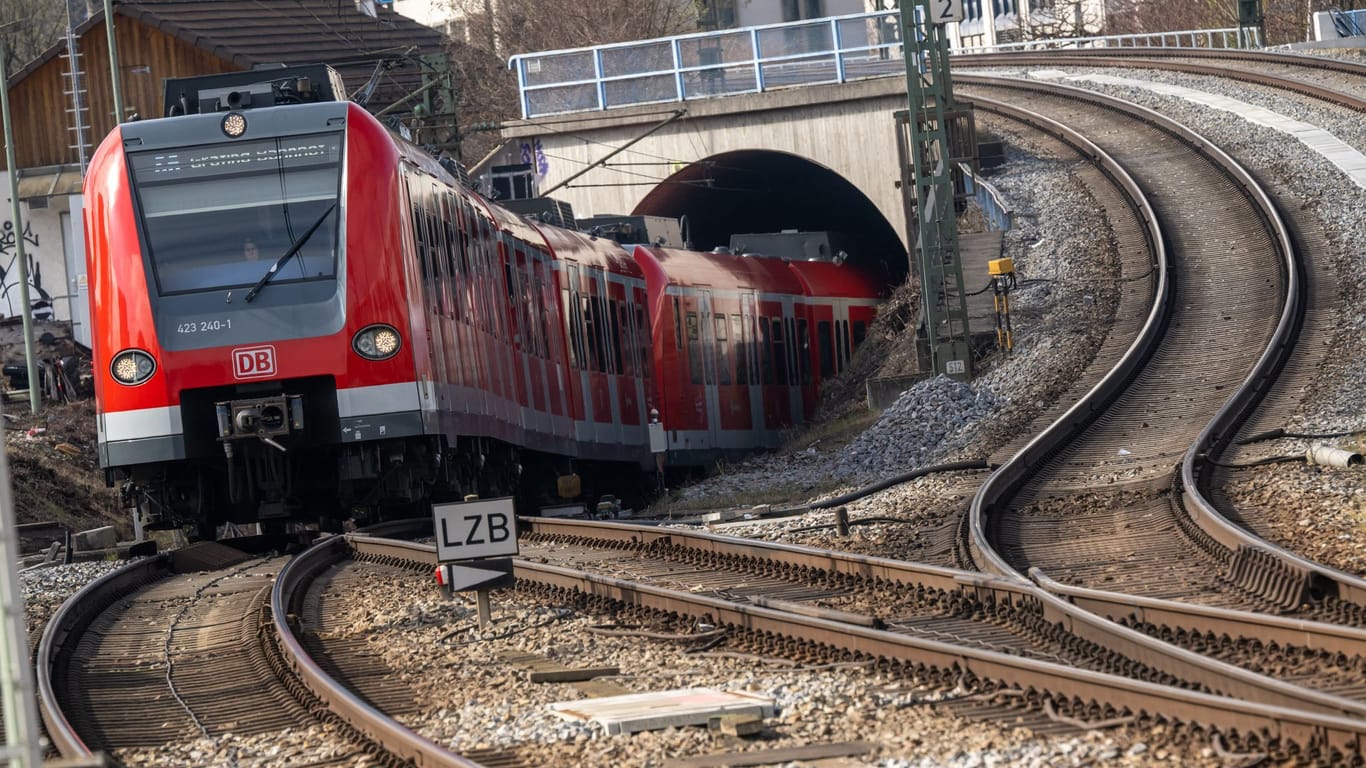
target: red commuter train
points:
(298, 316)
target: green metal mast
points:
(944, 305)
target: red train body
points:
(412, 341)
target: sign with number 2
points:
(944, 11)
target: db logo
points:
(253, 362)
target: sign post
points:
(475, 542)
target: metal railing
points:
(1230, 37)
(729, 62)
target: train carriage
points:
(732, 338)
(299, 315)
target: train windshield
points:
(218, 216)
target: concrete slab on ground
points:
(662, 709)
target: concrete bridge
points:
(785, 126)
(812, 158)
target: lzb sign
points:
(475, 529)
(944, 11)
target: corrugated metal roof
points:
(52, 181)
(252, 32)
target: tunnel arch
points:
(762, 190)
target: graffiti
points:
(533, 152)
(40, 301)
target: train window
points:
(678, 326)
(572, 322)
(547, 294)
(737, 334)
(642, 342)
(722, 350)
(826, 346)
(765, 353)
(780, 363)
(618, 317)
(626, 341)
(694, 349)
(219, 215)
(860, 333)
(590, 326)
(517, 302)
(793, 367)
(843, 337)
(804, 351)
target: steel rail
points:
(57, 645)
(287, 595)
(1313, 90)
(1095, 627)
(1218, 434)
(1012, 475)
(1209, 620)
(1312, 730)
(1218, 54)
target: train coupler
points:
(264, 418)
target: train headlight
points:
(234, 124)
(377, 342)
(132, 367)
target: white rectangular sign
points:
(944, 11)
(472, 529)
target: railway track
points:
(1182, 413)
(1321, 660)
(1321, 79)
(188, 651)
(818, 605)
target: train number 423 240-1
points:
(204, 326)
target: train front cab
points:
(251, 381)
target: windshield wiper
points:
(293, 249)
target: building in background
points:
(62, 104)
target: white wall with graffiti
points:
(53, 245)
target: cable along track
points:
(1076, 693)
(184, 653)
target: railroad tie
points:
(1266, 576)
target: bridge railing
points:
(728, 62)
(1231, 37)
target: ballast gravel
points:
(472, 701)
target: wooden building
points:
(62, 106)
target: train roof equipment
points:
(794, 245)
(635, 230)
(252, 89)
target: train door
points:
(580, 365)
(732, 375)
(793, 353)
(519, 318)
(826, 362)
(602, 375)
(425, 240)
(639, 342)
(709, 376)
(556, 374)
(441, 277)
(747, 352)
(629, 397)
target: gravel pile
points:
(937, 411)
(1066, 262)
(45, 589)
